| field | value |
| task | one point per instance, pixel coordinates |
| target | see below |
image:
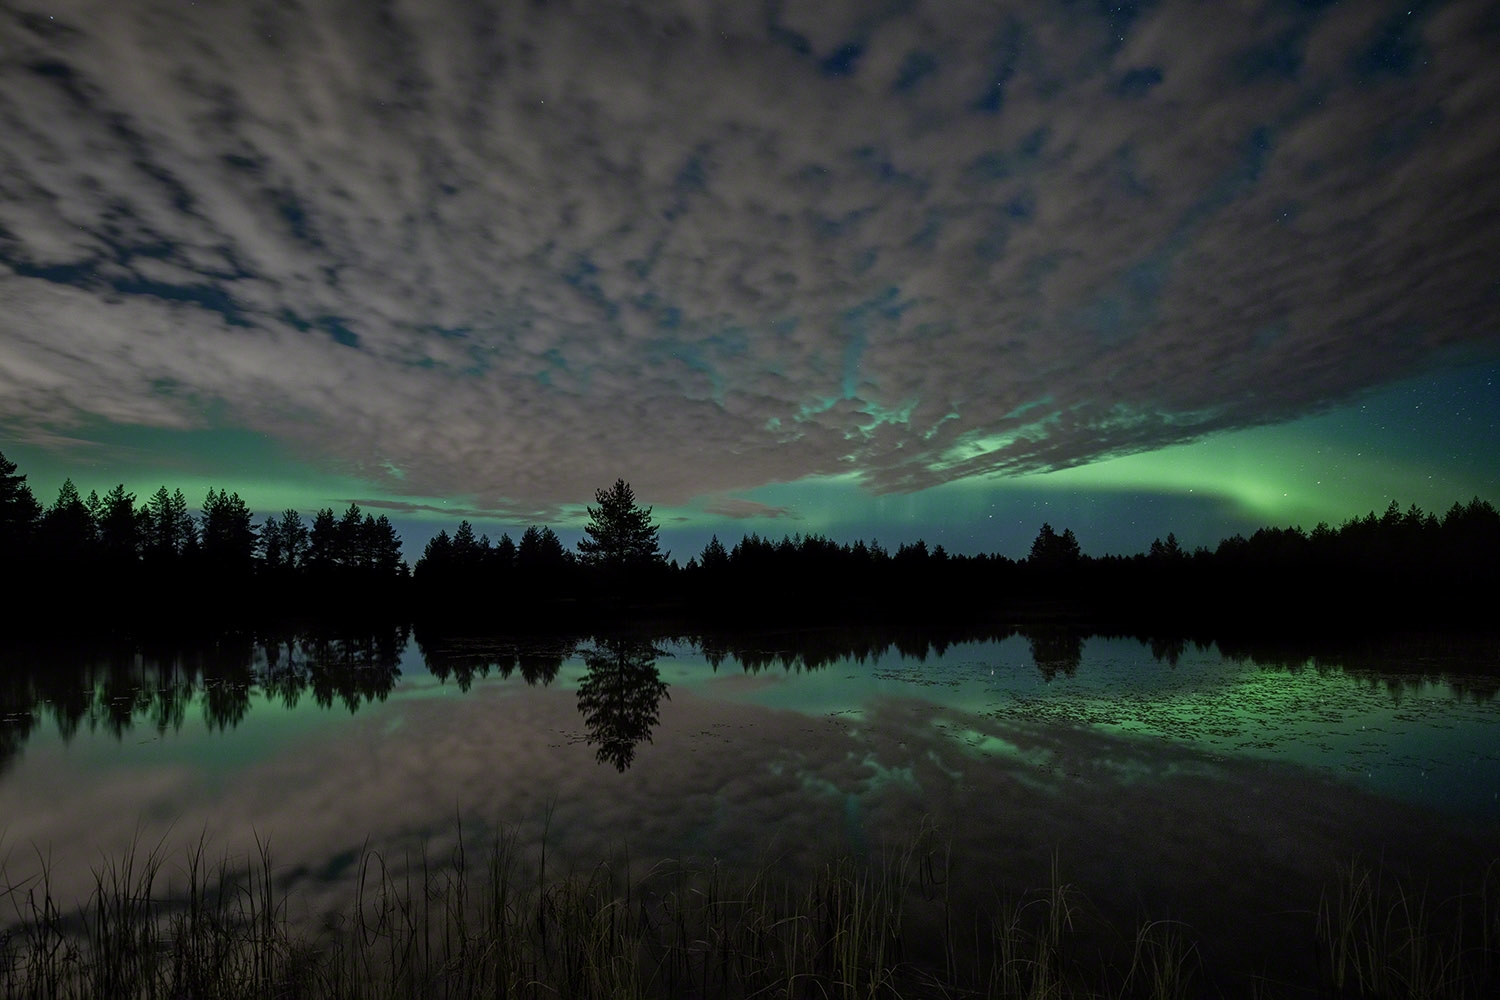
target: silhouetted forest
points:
(121, 561)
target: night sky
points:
(874, 269)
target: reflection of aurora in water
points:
(1149, 773)
(1428, 735)
(1426, 738)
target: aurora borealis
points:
(868, 269)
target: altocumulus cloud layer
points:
(512, 250)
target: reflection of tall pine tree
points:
(619, 698)
(1055, 650)
(352, 669)
(539, 666)
(18, 701)
(226, 688)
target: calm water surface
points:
(1167, 779)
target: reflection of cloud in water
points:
(1141, 825)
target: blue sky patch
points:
(854, 349)
(843, 60)
(1398, 137)
(991, 246)
(249, 164)
(1009, 41)
(1022, 206)
(85, 274)
(926, 238)
(782, 35)
(1395, 50)
(1139, 81)
(581, 278)
(291, 210)
(1119, 17)
(335, 327)
(1278, 58)
(916, 67)
(693, 176)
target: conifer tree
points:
(385, 547)
(503, 556)
(19, 510)
(68, 526)
(349, 539)
(293, 539)
(119, 527)
(540, 551)
(228, 532)
(620, 534)
(714, 558)
(322, 544)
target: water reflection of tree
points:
(116, 686)
(1055, 650)
(815, 649)
(355, 669)
(467, 658)
(1168, 649)
(464, 662)
(1465, 664)
(619, 698)
(17, 718)
(540, 666)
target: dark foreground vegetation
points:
(116, 561)
(500, 925)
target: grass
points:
(1380, 938)
(495, 924)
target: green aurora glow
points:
(1428, 441)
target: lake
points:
(1220, 784)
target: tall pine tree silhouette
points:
(620, 537)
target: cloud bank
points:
(513, 251)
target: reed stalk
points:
(488, 924)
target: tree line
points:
(96, 556)
(1404, 567)
(117, 557)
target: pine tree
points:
(436, 565)
(714, 558)
(348, 539)
(68, 526)
(19, 510)
(465, 548)
(620, 534)
(503, 556)
(322, 545)
(120, 533)
(540, 551)
(1053, 551)
(293, 539)
(272, 556)
(385, 547)
(228, 533)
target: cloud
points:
(517, 251)
(537, 515)
(737, 508)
